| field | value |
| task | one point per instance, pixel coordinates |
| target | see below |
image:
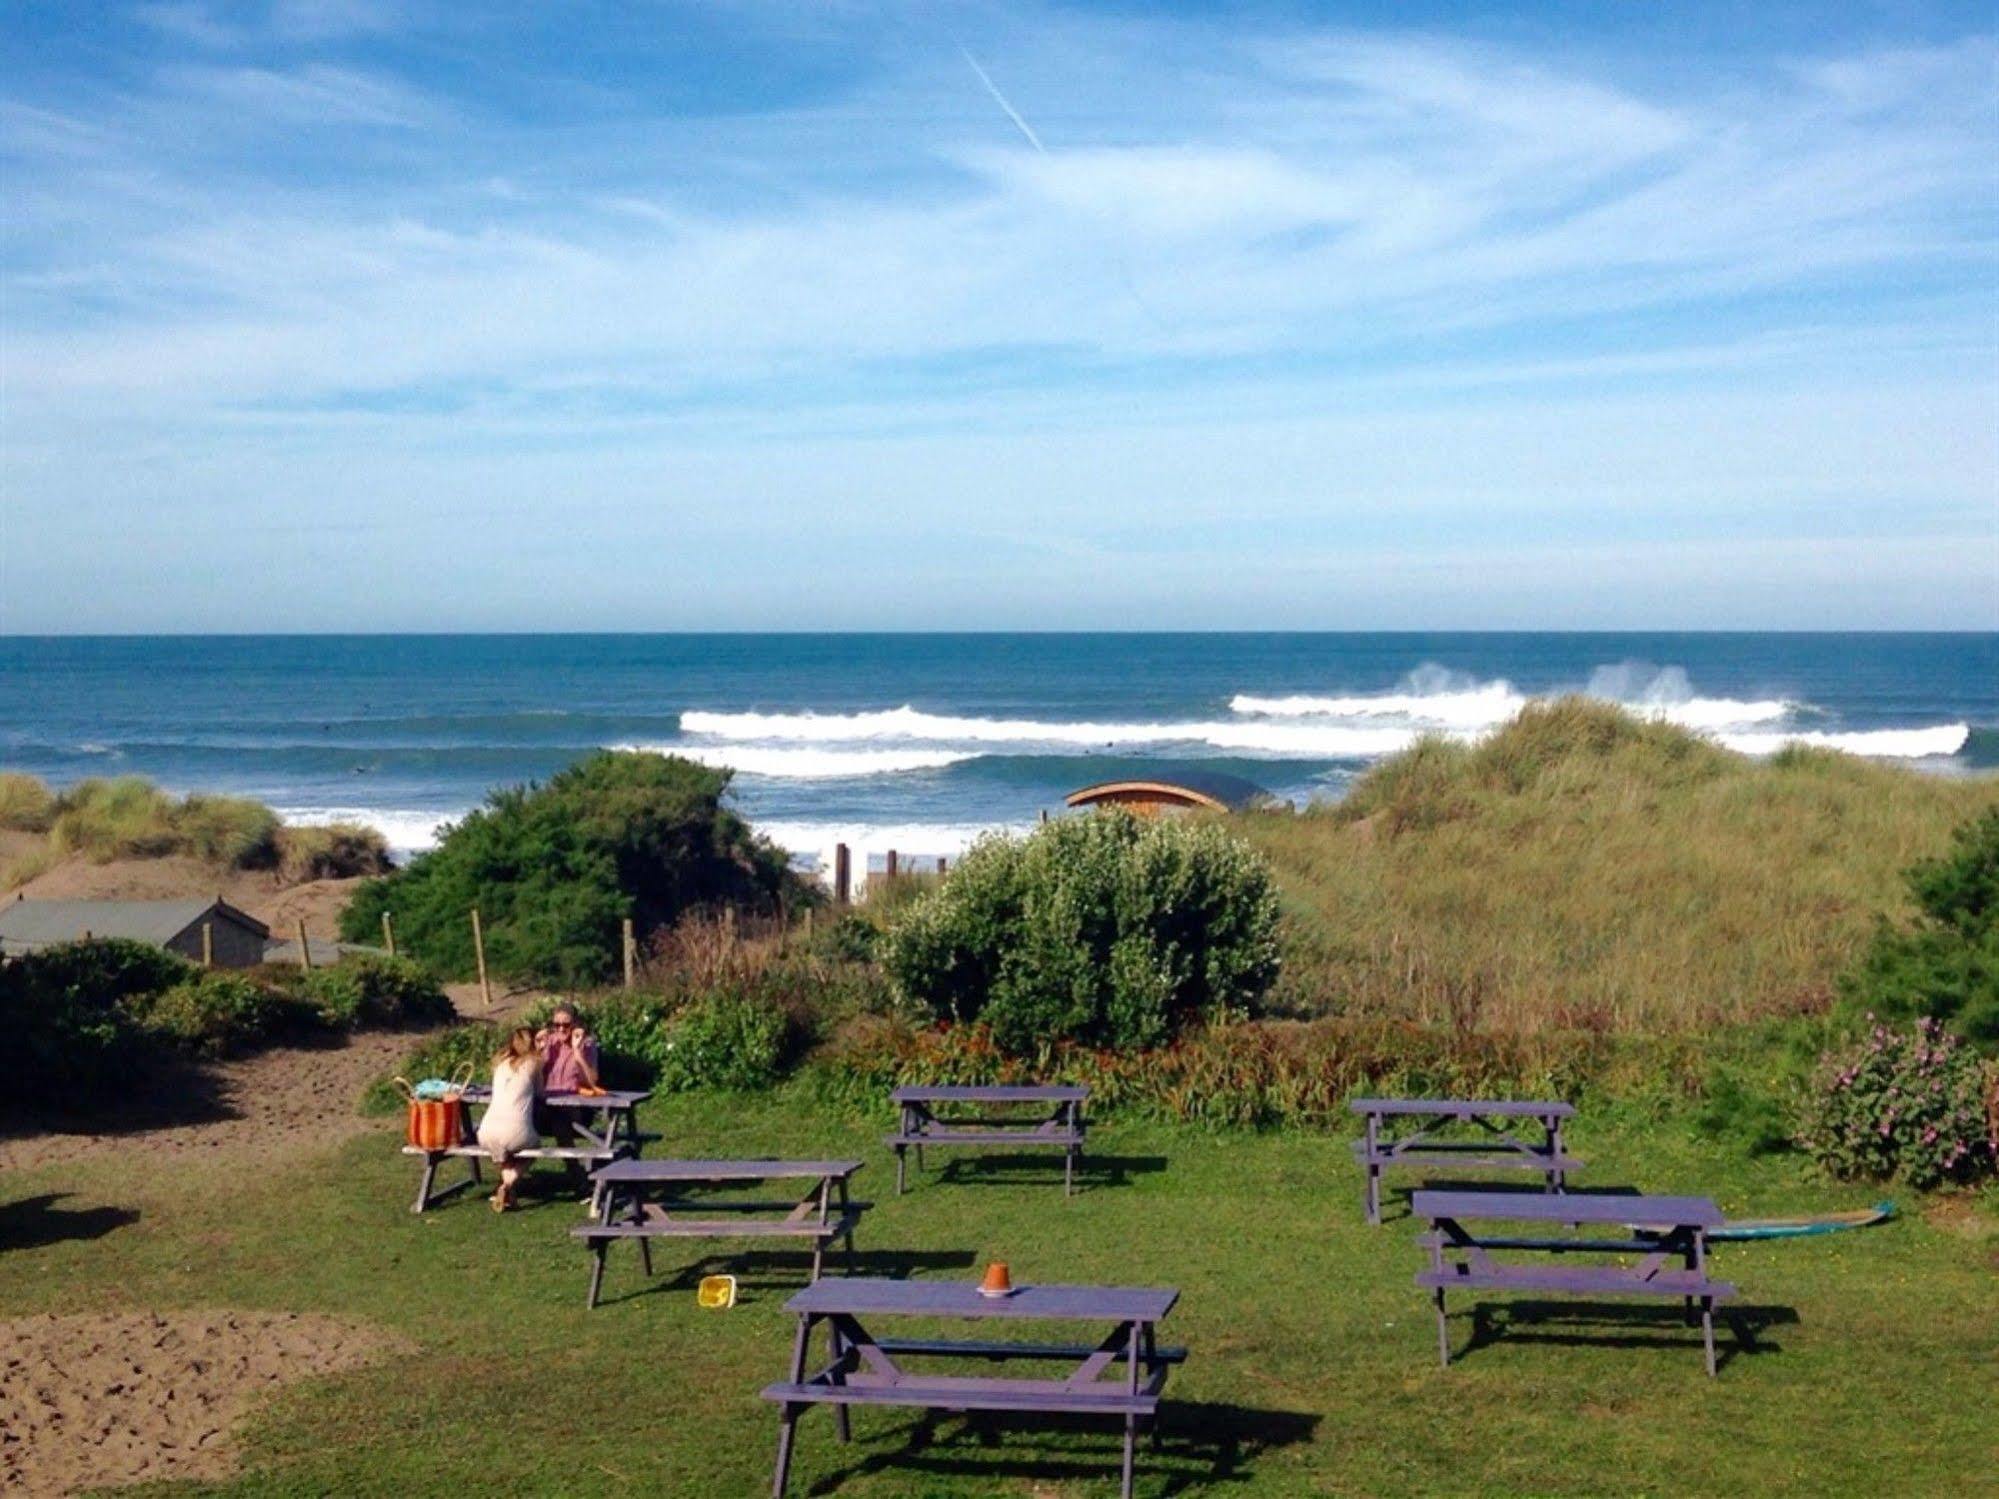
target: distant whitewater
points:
(922, 742)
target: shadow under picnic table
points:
(1041, 1169)
(1620, 1324)
(1201, 1443)
(32, 1222)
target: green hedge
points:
(1105, 929)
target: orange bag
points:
(438, 1123)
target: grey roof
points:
(1233, 792)
(33, 923)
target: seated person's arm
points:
(586, 1056)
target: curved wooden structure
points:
(1176, 791)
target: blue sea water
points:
(917, 742)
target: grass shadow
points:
(168, 1091)
(32, 1222)
(1027, 1168)
(1617, 1324)
(1198, 1444)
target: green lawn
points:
(1312, 1366)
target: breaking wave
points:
(811, 764)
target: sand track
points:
(101, 1400)
(275, 1104)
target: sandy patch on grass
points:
(266, 1107)
(93, 1401)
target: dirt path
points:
(94, 1401)
(275, 1104)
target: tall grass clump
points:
(1585, 869)
(26, 804)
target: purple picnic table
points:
(935, 1115)
(606, 1126)
(1668, 1235)
(645, 1200)
(1499, 1148)
(865, 1370)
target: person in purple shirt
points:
(568, 1065)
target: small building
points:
(237, 938)
(1175, 791)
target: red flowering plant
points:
(1901, 1102)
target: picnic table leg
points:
(1131, 1418)
(1373, 1193)
(1707, 1302)
(1443, 1330)
(598, 1249)
(645, 1255)
(899, 1167)
(1558, 1180)
(788, 1414)
(423, 1183)
(846, 1217)
(841, 1420)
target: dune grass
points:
(1312, 1367)
(128, 817)
(1581, 869)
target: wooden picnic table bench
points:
(1667, 1234)
(936, 1115)
(647, 1200)
(1410, 1140)
(1121, 1375)
(605, 1126)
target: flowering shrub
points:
(1909, 1102)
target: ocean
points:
(918, 742)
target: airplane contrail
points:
(1001, 100)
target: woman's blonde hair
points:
(520, 1048)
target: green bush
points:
(1104, 929)
(725, 1040)
(65, 1010)
(222, 1014)
(1946, 966)
(1908, 1102)
(554, 869)
(376, 990)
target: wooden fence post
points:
(629, 945)
(808, 923)
(304, 947)
(208, 944)
(479, 952)
(889, 865)
(843, 874)
(943, 865)
(388, 934)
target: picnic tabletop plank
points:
(631, 1170)
(612, 1098)
(993, 1093)
(1636, 1209)
(1463, 1108)
(861, 1296)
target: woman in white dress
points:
(508, 1125)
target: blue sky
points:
(393, 314)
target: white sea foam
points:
(1941, 741)
(406, 832)
(795, 762)
(1433, 698)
